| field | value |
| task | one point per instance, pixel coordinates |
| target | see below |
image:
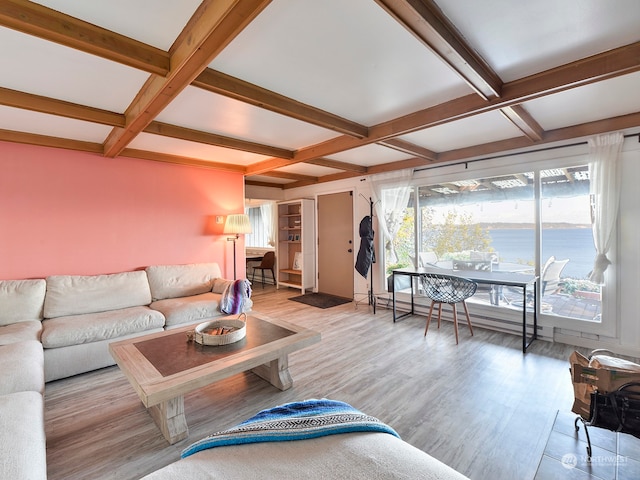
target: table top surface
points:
(163, 365)
(501, 277)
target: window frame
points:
(536, 161)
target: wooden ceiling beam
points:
(528, 125)
(220, 83)
(558, 135)
(255, 183)
(47, 141)
(550, 136)
(214, 25)
(37, 103)
(410, 148)
(182, 133)
(48, 24)
(607, 65)
(327, 162)
(180, 160)
(610, 64)
(425, 20)
(290, 176)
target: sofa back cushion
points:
(77, 294)
(21, 300)
(172, 281)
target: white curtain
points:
(390, 196)
(268, 214)
(605, 176)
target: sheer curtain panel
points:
(604, 170)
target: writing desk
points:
(503, 278)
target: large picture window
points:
(492, 223)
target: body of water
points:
(576, 244)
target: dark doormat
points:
(320, 300)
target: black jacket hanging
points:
(366, 254)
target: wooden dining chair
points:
(267, 263)
(449, 289)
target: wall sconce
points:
(236, 224)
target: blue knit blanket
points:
(294, 421)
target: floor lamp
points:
(236, 224)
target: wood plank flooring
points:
(482, 406)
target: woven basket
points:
(203, 337)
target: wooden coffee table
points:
(164, 366)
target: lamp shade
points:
(237, 223)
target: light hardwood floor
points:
(482, 406)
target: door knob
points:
(350, 250)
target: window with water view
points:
(491, 224)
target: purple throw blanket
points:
(236, 297)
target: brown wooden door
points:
(336, 249)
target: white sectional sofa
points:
(22, 437)
(82, 314)
(75, 318)
(62, 325)
(186, 295)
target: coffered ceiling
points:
(296, 92)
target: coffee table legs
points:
(276, 372)
(169, 416)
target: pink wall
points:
(66, 212)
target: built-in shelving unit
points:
(296, 244)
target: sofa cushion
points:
(21, 300)
(171, 281)
(22, 437)
(92, 327)
(77, 294)
(358, 455)
(21, 331)
(183, 310)
(21, 367)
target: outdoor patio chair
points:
(550, 278)
(447, 289)
(427, 259)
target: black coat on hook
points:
(366, 254)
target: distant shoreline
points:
(530, 226)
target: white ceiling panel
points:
(197, 109)
(519, 39)
(185, 148)
(36, 66)
(154, 22)
(485, 128)
(370, 155)
(587, 104)
(50, 125)
(349, 58)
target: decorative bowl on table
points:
(222, 331)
